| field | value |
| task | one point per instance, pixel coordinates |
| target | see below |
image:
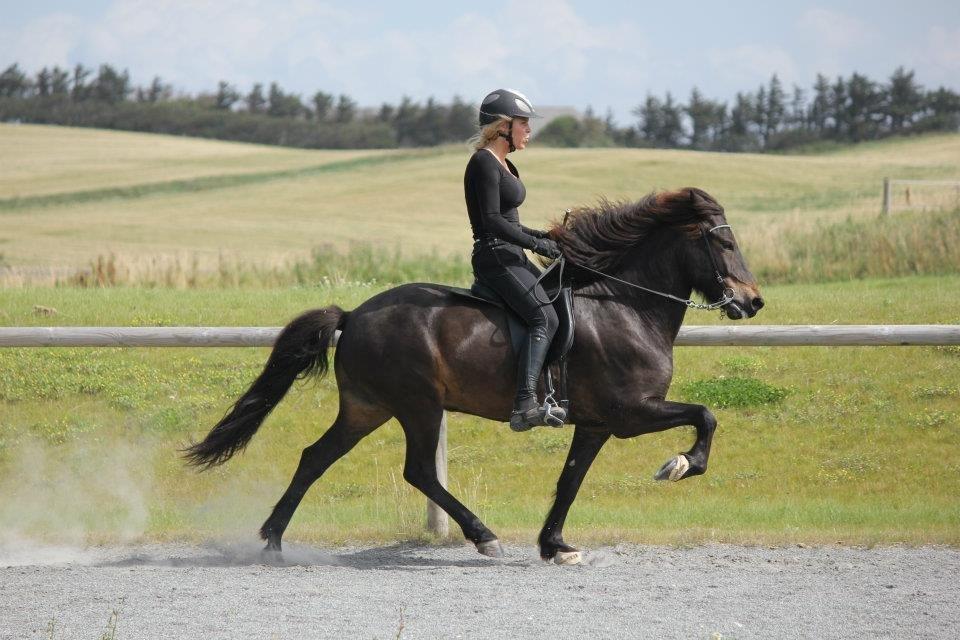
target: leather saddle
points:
(563, 305)
(553, 285)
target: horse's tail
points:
(299, 351)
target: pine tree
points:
(386, 112)
(798, 109)
(405, 122)
(701, 114)
(59, 82)
(461, 120)
(650, 115)
(904, 99)
(322, 105)
(110, 86)
(774, 110)
(255, 101)
(760, 113)
(671, 131)
(80, 91)
(13, 82)
(865, 105)
(820, 108)
(941, 111)
(839, 109)
(346, 109)
(226, 96)
(42, 83)
(430, 124)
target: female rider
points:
(493, 191)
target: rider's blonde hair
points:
(488, 133)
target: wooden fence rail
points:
(705, 336)
(437, 522)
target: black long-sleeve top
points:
(493, 194)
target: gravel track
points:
(414, 591)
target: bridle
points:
(726, 298)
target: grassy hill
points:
(68, 195)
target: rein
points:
(719, 304)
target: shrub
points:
(732, 392)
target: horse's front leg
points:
(583, 450)
(656, 414)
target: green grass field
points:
(817, 445)
(862, 448)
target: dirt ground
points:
(227, 590)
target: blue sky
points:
(559, 52)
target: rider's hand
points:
(547, 247)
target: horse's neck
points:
(658, 313)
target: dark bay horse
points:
(416, 350)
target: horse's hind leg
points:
(353, 423)
(583, 450)
(421, 426)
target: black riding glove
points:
(547, 247)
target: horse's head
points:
(711, 256)
(674, 241)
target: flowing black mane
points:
(598, 237)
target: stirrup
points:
(550, 414)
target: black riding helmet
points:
(509, 103)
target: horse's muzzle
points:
(738, 310)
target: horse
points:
(416, 350)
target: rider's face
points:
(521, 132)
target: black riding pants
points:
(506, 269)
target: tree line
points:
(843, 110)
(108, 99)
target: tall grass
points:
(359, 263)
(901, 245)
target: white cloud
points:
(748, 65)
(47, 41)
(943, 49)
(307, 46)
(834, 30)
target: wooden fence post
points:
(437, 521)
(886, 197)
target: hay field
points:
(85, 193)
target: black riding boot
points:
(526, 412)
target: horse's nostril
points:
(757, 303)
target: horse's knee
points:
(419, 476)
(413, 475)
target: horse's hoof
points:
(271, 554)
(490, 548)
(568, 558)
(674, 469)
